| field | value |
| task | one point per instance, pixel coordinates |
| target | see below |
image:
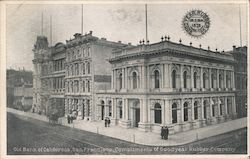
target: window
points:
(157, 79)
(212, 80)
(102, 109)
(205, 109)
(195, 110)
(88, 85)
(120, 81)
(77, 86)
(204, 80)
(185, 79)
(229, 103)
(221, 108)
(213, 110)
(185, 111)
(174, 113)
(76, 69)
(220, 81)
(83, 68)
(83, 86)
(227, 81)
(157, 113)
(110, 108)
(134, 76)
(195, 79)
(88, 67)
(174, 79)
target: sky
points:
(118, 22)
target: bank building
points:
(168, 84)
(145, 86)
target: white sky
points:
(124, 22)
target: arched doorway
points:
(157, 113)
(136, 113)
(174, 113)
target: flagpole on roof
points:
(82, 20)
(240, 26)
(146, 20)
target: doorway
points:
(137, 116)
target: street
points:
(26, 136)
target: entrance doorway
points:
(102, 112)
(137, 116)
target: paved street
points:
(31, 136)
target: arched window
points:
(157, 79)
(204, 80)
(173, 79)
(227, 81)
(88, 85)
(157, 112)
(110, 108)
(71, 70)
(174, 113)
(185, 79)
(213, 110)
(212, 80)
(88, 67)
(205, 109)
(195, 110)
(220, 106)
(220, 81)
(134, 76)
(120, 81)
(76, 69)
(83, 68)
(195, 79)
(185, 111)
(77, 86)
(83, 86)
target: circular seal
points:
(196, 23)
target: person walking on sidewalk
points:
(166, 133)
(108, 122)
(68, 118)
(162, 132)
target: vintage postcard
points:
(124, 79)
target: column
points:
(123, 76)
(233, 80)
(144, 110)
(225, 105)
(127, 109)
(168, 112)
(218, 79)
(225, 82)
(201, 78)
(143, 77)
(112, 80)
(209, 78)
(126, 78)
(192, 109)
(210, 106)
(123, 109)
(167, 76)
(148, 82)
(181, 76)
(202, 108)
(163, 117)
(181, 113)
(233, 106)
(192, 77)
(162, 76)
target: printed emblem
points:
(196, 23)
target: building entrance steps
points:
(145, 138)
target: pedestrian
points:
(72, 118)
(68, 118)
(166, 133)
(162, 132)
(105, 122)
(109, 122)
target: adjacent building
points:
(87, 71)
(240, 55)
(171, 84)
(48, 77)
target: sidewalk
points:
(147, 138)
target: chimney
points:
(119, 42)
(129, 44)
(90, 32)
(234, 48)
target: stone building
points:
(48, 77)
(171, 84)
(87, 71)
(240, 55)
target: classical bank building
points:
(170, 84)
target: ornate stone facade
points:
(170, 84)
